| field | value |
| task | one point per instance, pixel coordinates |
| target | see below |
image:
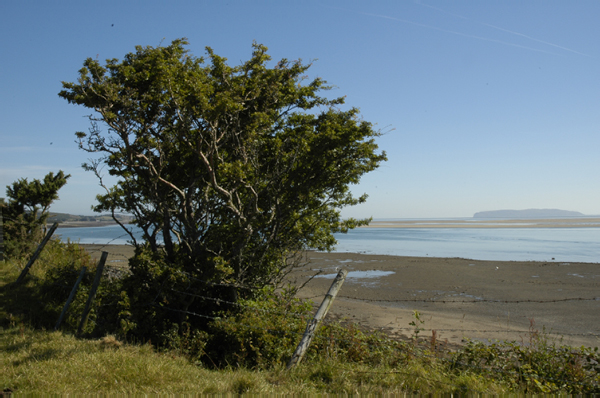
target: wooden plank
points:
(37, 252)
(314, 323)
(88, 304)
(71, 296)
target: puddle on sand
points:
(360, 274)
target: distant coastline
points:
(585, 222)
(529, 214)
(65, 220)
(86, 224)
(530, 218)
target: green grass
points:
(36, 362)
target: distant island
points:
(529, 214)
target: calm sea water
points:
(506, 244)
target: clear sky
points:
(486, 104)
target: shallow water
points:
(506, 244)
(503, 244)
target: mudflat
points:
(457, 298)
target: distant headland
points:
(529, 214)
(69, 220)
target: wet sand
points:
(458, 298)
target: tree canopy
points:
(228, 170)
(27, 209)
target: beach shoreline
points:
(583, 222)
(458, 298)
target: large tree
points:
(228, 170)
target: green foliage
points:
(416, 323)
(264, 332)
(155, 300)
(26, 212)
(536, 366)
(229, 171)
(347, 343)
(40, 300)
(260, 333)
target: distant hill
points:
(529, 213)
(70, 218)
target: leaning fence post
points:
(88, 304)
(37, 252)
(71, 296)
(314, 323)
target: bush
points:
(537, 366)
(261, 333)
(40, 299)
(265, 332)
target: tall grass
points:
(36, 362)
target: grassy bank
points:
(52, 362)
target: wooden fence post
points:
(37, 252)
(71, 296)
(88, 304)
(314, 323)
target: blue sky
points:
(485, 105)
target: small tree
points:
(26, 212)
(229, 171)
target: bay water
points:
(502, 244)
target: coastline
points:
(587, 222)
(583, 222)
(85, 224)
(458, 298)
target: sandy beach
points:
(458, 298)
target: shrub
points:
(40, 299)
(537, 366)
(261, 332)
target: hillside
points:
(529, 213)
(71, 219)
